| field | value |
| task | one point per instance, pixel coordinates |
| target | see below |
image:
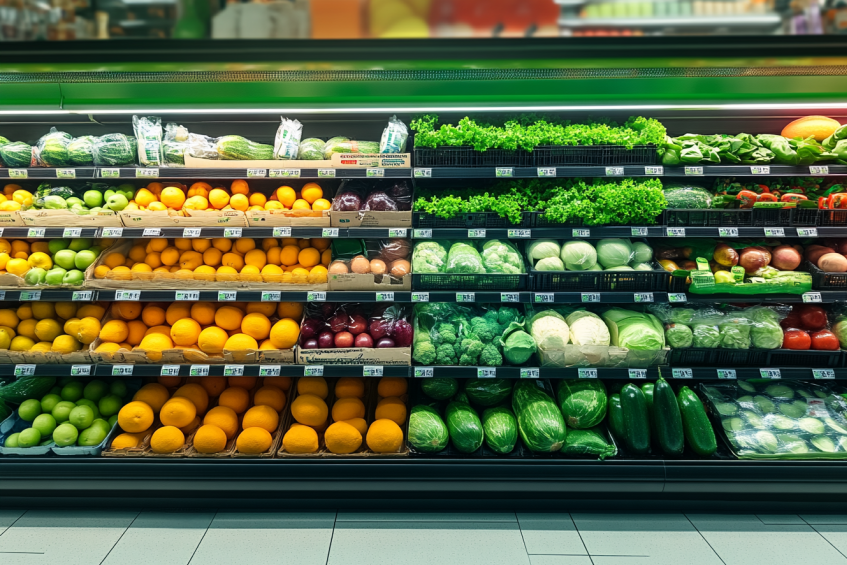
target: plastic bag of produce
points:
(765, 331)
(394, 137)
(52, 149)
(148, 133)
(311, 149)
(385, 258)
(580, 443)
(287, 139)
(237, 148)
(175, 144)
(634, 330)
(464, 258)
(614, 252)
(17, 154)
(202, 147)
(687, 197)
(540, 422)
(579, 255)
(81, 150)
(347, 145)
(502, 257)
(679, 336)
(25, 388)
(429, 257)
(114, 149)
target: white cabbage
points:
(550, 331)
(542, 248)
(614, 252)
(550, 264)
(587, 328)
(579, 255)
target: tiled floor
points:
(93, 537)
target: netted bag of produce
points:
(81, 150)
(464, 258)
(540, 422)
(51, 150)
(114, 149)
(175, 144)
(148, 132)
(287, 139)
(347, 145)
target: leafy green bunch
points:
(602, 202)
(506, 198)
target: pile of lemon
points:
(199, 326)
(348, 428)
(14, 198)
(288, 260)
(241, 411)
(60, 327)
(160, 197)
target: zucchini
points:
(667, 419)
(698, 430)
(636, 420)
(616, 425)
(237, 148)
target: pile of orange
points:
(288, 260)
(205, 327)
(174, 196)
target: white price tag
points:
(614, 171)
(329, 232)
(530, 373)
(326, 173)
(316, 297)
(581, 232)
(372, 371)
(465, 297)
(18, 173)
(476, 234)
(519, 234)
(110, 173)
(727, 374)
(146, 173)
(486, 373)
(24, 370)
(807, 232)
(227, 296)
(770, 373)
(677, 297)
(637, 373)
(187, 295)
(760, 170)
(36, 232)
(72, 232)
(257, 173)
(270, 370)
(371, 173)
(635, 232)
(30, 295)
(823, 373)
(698, 171)
(544, 297)
(384, 297)
(500, 172)
(232, 232)
(113, 232)
(2, 295)
(639, 297)
(65, 173)
(420, 297)
(423, 173)
(728, 232)
(80, 370)
(123, 295)
(675, 232)
(284, 173)
(313, 371)
(82, 296)
(233, 370)
(812, 297)
(422, 234)
(819, 170)
(510, 297)
(654, 171)
(199, 371)
(424, 372)
(169, 371)
(272, 296)
(774, 232)
(590, 297)
(398, 232)
(151, 232)
(547, 172)
(122, 370)
(587, 373)
(192, 232)
(682, 373)
(282, 232)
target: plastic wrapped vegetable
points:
(429, 257)
(237, 148)
(175, 145)
(287, 139)
(52, 149)
(706, 335)
(464, 425)
(202, 147)
(347, 145)
(394, 137)
(25, 388)
(311, 149)
(500, 429)
(540, 422)
(427, 431)
(113, 149)
(464, 258)
(686, 196)
(16, 154)
(488, 392)
(148, 133)
(614, 252)
(588, 442)
(81, 150)
(765, 333)
(578, 255)
(634, 330)
(679, 336)
(735, 332)
(502, 257)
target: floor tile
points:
(260, 538)
(654, 539)
(77, 537)
(815, 519)
(781, 519)
(835, 534)
(550, 534)
(8, 517)
(427, 517)
(560, 560)
(160, 538)
(427, 543)
(745, 540)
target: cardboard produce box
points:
(355, 356)
(11, 220)
(68, 219)
(337, 161)
(287, 218)
(193, 219)
(379, 283)
(9, 281)
(370, 219)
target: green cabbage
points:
(706, 335)
(587, 328)
(634, 330)
(735, 333)
(518, 346)
(542, 249)
(643, 252)
(679, 336)
(550, 264)
(578, 255)
(614, 252)
(641, 267)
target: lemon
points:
(40, 260)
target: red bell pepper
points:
(837, 201)
(792, 198)
(747, 198)
(767, 198)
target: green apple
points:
(65, 258)
(117, 202)
(30, 437)
(113, 420)
(110, 405)
(80, 243)
(92, 436)
(127, 191)
(72, 391)
(35, 276)
(65, 434)
(95, 390)
(75, 277)
(84, 258)
(109, 193)
(91, 404)
(29, 409)
(56, 245)
(62, 411)
(49, 401)
(102, 424)
(55, 276)
(81, 417)
(12, 440)
(74, 201)
(93, 198)
(44, 423)
(96, 249)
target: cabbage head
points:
(587, 328)
(679, 336)
(643, 252)
(706, 335)
(549, 330)
(550, 264)
(735, 333)
(614, 252)
(543, 248)
(518, 346)
(429, 257)
(634, 330)
(840, 331)
(578, 255)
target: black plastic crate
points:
(582, 155)
(471, 220)
(821, 280)
(444, 156)
(459, 282)
(602, 281)
(795, 358)
(677, 284)
(806, 217)
(708, 217)
(832, 217)
(713, 357)
(772, 217)
(539, 221)
(503, 158)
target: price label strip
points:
(424, 372)
(257, 173)
(760, 170)
(547, 172)
(651, 171)
(82, 296)
(694, 171)
(284, 173)
(313, 371)
(675, 232)
(530, 373)
(397, 232)
(614, 171)
(233, 370)
(316, 297)
(384, 297)
(727, 374)
(232, 232)
(169, 371)
(372, 371)
(823, 373)
(640, 297)
(151, 232)
(199, 371)
(329, 232)
(465, 297)
(282, 232)
(486, 373)
(587, 373)
(501, 172)
(192, 232)
(807, 232)
(420, 297)
(113, 232)
(423, 173)
(122, 370)
(422, 234)
(819, 170)
(126, 295)
(682, 373)
(146, 173)
(227, 296)
(637, 373)
(187, 295)
(24, 370)
(81, 370)
(544, 298)
(110, 173)
(677, 297)
(581, 232)
(476, 234)
(774, 232)
(728, 232)
(635, 232)
(36, 232)
(270, 370)
(18, 173)
(326, 173)
(510, 297)
(30, 295)
(590, 297)
(519, 234)
(273, 296)
(812, 297)
(770, 373)
(72, 232)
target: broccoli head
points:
(491, 356)
(424, 353)
(445, 354)
(445, 333)
(507, 315)
(491, 316)
(484, 329)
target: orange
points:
(392, 386)
(282, 383)
(309, 257)
(158, 244)
(173, 197)
(210, 439)
(232, 260)
(256, 325)
(212, 257)
(226, 273)
(212, 340)
(114, 331)
(182, 243)
(169, 382)
(350, 387)
(292, 310)
(201, 245)
(190, 260)
(222, 244)
(169, 256)
(157, 207)
(301, 204)
(141, 268)
(261, 416)
(256, 258)
(137, 328)
(271, 273)
(384, 436)
(359, 424)
(218, 198)
(228, 318)
(125, 441)
(347, 409)
(144, 197)
(154, 343)
(137, 253)
(274, 205)
(320, 243)
(200, 188)
(241, 342)
(224, 418)
(177, 311)
(235, 398)
(126, 310)
(266, 308)
(311, 192)
(285, 333)
(258, 199)
(203, 313)
(152, 315)
(391, 408)
(309, 410)
(178, 412)
(286, 196)
(253, 441)
(196, 394)
(269, 243)
(162, 329)
(244, 244)
(321, 204)
(290, 255)
(167, 439)
(153, 260)
(270, 396)
(135, 417)
(113, 260)
(239, 186)
(251, 273)
(300, 439)
(341, 437)
(274, 254)
(214, 385)
(196, 203)
(185, 332)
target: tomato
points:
(812, 317)
(796, 339)
(792, 321)
(825, 340)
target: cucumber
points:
(636, 420)
(667, 419)
(616, 425)
(698, 430)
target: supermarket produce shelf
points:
(147, 173)
(760, 21)
(628, 171)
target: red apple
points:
(364, 340)
(326, 340)
(310, 344)
(357, 325)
